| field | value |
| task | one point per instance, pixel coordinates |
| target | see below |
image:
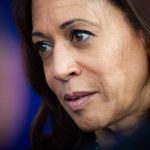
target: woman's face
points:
(93, 60)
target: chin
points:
(89, 125)
(89, 128)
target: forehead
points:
(48, 15)
(55, 5)
(61, 3)
(60, 9)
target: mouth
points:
(77, 100)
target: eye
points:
(44, 48)
(79, 36)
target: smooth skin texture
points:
(107, 56)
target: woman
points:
(90, 60)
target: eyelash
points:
(44, 48)
(77, 37)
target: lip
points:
(77, 100)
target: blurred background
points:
(18, 102)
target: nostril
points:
(72, 73)
(65, 73)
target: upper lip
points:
(76, 95)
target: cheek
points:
(48, 71)
(54, 85)
(48, 74)
(121, 71)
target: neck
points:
(108, 137)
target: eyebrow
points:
(64, 25)
(38, 34)
(67, 23)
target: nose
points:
(65, 64)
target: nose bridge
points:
(65, 62)
(62, 58)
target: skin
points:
(112, 61)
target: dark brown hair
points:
(65, 134)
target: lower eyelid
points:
(45, 55)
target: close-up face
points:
(93, 60)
